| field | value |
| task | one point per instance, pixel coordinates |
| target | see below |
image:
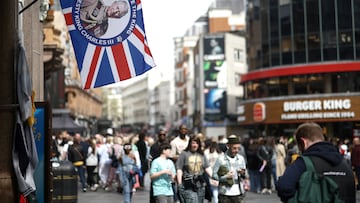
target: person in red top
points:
(355, 159)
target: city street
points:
(102, 196)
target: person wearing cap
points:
(230, 171)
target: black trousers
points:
(231, 199)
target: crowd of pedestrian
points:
(190, 168)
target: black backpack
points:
(114, 159)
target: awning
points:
(63, 121)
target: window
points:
(344, 14)
(238, 55)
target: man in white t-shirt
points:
(179, 143)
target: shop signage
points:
(317, 109)
(320, 109)
(259, 112)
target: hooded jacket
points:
(287, 184)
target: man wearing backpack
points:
(326, 160)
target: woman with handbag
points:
(77, 156)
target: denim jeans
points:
(215, 193)
(255, 182)
(81, 173)
(127, 184)
(190, 196)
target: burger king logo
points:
(259, 112)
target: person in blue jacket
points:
(311, 141)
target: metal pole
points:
(8, 36)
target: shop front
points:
(338, 114)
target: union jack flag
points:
(112, 57)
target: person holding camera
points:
(191, 167)
(230, 171)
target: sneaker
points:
(107, 189)
(96, 185)
(84, 189)
(269, 191)
(93, 188)
(263, 191)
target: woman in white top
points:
(91, 164)
(212, 153)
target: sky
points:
(163, 21)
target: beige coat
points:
(280, 159)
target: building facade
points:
(135, 103)
(62, 86)
(209, 61)
(161, 101)
(303, 60)
(222, 63)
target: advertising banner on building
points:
(319, 109)
(214, 47)
(215, 74)
(215, 104)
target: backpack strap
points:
(308, 163)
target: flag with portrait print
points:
(109, 47)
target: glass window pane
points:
(344, 14)
(300, 56)
(312, 9)
(346, 52)
(357, 13)
(286, 58)
(314, 55)
(330, 54)
(328, 15)
(329, 39)
(313, 41)
(264, 25)
(298, 18)
(357, 53)
(274, 18)
(275, 59)
(285, 20)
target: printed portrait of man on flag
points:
(94, 15)
(109, 41)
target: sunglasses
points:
(162, 134)
(127, 147)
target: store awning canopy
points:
(62, 122)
